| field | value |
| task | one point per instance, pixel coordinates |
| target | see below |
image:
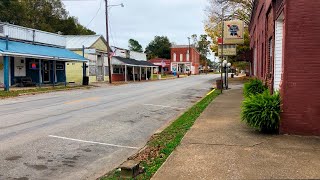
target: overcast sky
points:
(142, 19)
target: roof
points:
(77, 41)
(132, 62)
(38, 51)
(182, 46)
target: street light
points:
(226, 67)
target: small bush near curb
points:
(262, 111)
(253, 87)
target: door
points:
(46, 71)
(100, 70)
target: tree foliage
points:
(234, 9)
(134, 45)
(202, 44)
(159, 48)
(46, 15)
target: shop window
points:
(117, 70)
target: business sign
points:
(228, 50)
(233, 32)
(90, 51)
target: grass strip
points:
(162, 145)
(15, 93)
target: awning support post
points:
(54, 72)
(140, 73)
(151, 77)
(6, 67)
(125, 73)
(134, 76)
(40, 74)
(6, 72)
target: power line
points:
(95, 15)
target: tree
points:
(46, 15)
(203, 47)
(234, 9)
(134, 45)
(159, 47)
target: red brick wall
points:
(301, 78)
(118, 77)
(194, 56)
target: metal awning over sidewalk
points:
(131, 62)
(12, 48)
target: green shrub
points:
(262, 111)
(253, 87)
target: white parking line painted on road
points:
(164, 106)
(92, 142)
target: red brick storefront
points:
(285, 38)
(180, 55)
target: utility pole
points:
(108, 44)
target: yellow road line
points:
(82, 100)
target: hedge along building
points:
(94, 48)
(285, 41)
(37, 55)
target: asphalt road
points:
(83, 134)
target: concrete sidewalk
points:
(219, 146)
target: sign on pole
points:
(228, 50)
(233, 32)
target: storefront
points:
(125, 69)
(25, 64)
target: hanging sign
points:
(233, 32)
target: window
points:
(188, 55)
(270, 55)
(106, 70)
(181, 57)
(174, 57)
(117, 70)
(92, 70)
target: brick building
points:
(285, 38)
(184, 62)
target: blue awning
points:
(38, 51)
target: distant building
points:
(130, 65)
(185, 59)
(285, 43)
(96, 50)
(125, 53)
(30, 56)
(164, 65)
